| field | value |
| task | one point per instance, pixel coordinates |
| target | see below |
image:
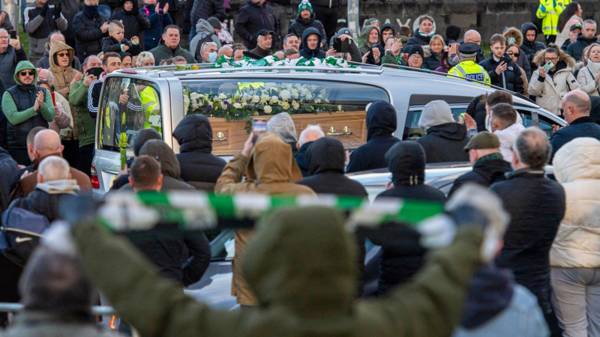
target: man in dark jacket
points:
(586, 38)
(445, 140)
(40, 21)
(536, 206)
(311, 44)
(182, 257)
(576, 106)
(134, 21)
(10, 175)
(306, 19)
(89, 27)
(254, 16)
(488, 164)
(403, 255)
(530, 44)
(381, 124)
(169, 165)
(204, 9)
(199, 167)
(264, 45)
(171, 46)
(11, 53)
(503, 71)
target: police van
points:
(334, 98)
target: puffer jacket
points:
(549, 92)
(271, 169)
(418, 38)
(86, 25)
(510, 79)
(199, 167)
(62, 76)
(588, 78)
(445, 143)
(487, 170)
(290, 249)
(577, 168)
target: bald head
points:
(532, 149)
(47, 142)
(472, 36)
(576, 104)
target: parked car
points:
(335, 98)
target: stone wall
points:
(487, 16)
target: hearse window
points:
(127, 106)
(412, 130)
(338, 107)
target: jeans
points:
(576, 299)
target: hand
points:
(330, 52)
(104, 27)
(124, 47)
(344, 37)
(123, 98)
(166, 8)
(248, 145)
(135, 40)
(470, 123)
(88, 80)
(39, 100)
(542, 72)
(15, 43)
(366, 56)
(376, 54)
(501, 68)
(555, 127)
(157, 8)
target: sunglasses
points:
(63, 54)
(27, 73)
(513, 54)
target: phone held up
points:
(258, 127)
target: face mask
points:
(511, 40)
(212, 57)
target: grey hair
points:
(143, 56)
(312, 131)
(54, 168)
(533, 148)
(48, 75)
(205, 45)
(590, 22)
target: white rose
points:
(274, 99)
(285, 95)
(222, 96)
(285, 105)
(295, 105)
(267, 109)
(237, 105)
(318, 101)
(264, 99)
(255, 99)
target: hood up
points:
(55, 48)
(450, 131)
(364, 35)
(142, 137)
(304, 46)
(283, 125)
(272, 161)
(204, 27)
(302, 261)
(326, 154)
(194, 133)
(381, 119)
(578, 159)
(527, 27)
(435, 113)
(562, 57)
(416, 26)
(406, 162)
(514, 33)
(24, 65)
(160, 151)
(389, 26)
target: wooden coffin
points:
(349, 127)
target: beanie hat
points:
(434, 113)
(305, 5)
(214, 22)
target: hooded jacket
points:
(283, 125)
(576, 49)
(507, 139)
(487, 170)
(367, 47)
(536, 206)
(308, 53)
(497, 306)
(577, 168)
(44, 200)
(134, 21)
(290, 248)
(169, 165)
(403, 255)
(418, 38)
(299, 27)
(445, 140)
(204, 33)
(198, 166)
(531, 48)
(17, 105)
(550, 90)
(271, 169)
(86, 25)
(8, 61)
(523, 61)
(581, 127)
(381, 124)
(251, 19)
(62, 76)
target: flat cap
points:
(483, 140)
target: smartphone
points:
(506, 59)
(13, 34)
(341, 46)
(95, 71)
(258, 127)
(548, 66)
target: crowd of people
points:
(538, 281)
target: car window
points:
(231, 104)
(534, 119)
(412, 130)
(120, 122)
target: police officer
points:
(467, 67)
(548, 11)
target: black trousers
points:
(71, 152)
(328, 17)
(86, 156)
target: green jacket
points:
(162, 52)
(78, 96)
(289, 249)
(41, 324)
(388, 58)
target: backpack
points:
(20, 233)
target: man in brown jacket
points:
(46, 143)
(270, 168)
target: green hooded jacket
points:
(86, 125)
(302, 269)
(9, 107)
